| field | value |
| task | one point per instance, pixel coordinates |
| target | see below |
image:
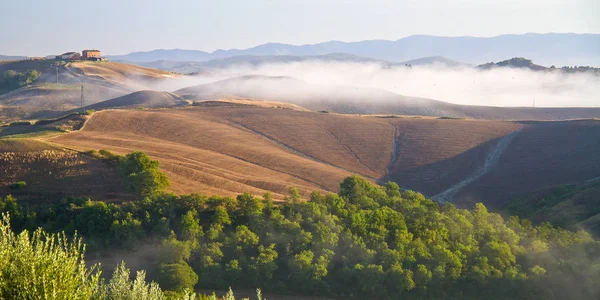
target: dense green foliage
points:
(51, 266)
(366, 241)
(11, 79)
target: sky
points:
(43, 27)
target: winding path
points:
(491, 160)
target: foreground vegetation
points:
(367, 241)
(50, 266)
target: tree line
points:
(367, 241)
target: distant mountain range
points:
(8, 57)
(257, 60)
(546, 49)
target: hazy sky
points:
(43, 27)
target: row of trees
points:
(367, 241)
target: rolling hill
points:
(548, 49)
(101, 81)
(52, 173)
(233, 149)
(141, 99)
(356, 100)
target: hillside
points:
(101, 81)
(141, 99)
(52, 173)
(547, 49)
(543, 154)
(570, 206)
(233, 149)
(355, 100)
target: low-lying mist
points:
(510, 87)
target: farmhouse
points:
(69, 56)
(87, 54)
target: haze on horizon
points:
(119, 27)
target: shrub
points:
(141, 175)
(20, 123)
(88, 112)
(120, 286)
(18, 185)
(43, 266)
(177, 277)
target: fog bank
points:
(509, 87)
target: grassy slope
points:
(52, 173)
(571, 206)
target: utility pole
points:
(82, 97)
(56, 73)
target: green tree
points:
(177, 277)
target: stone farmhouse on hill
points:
(85, 55)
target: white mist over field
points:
(467, 85)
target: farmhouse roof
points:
(92, 50)
(68, 53)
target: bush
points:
(88, 112)
(18, 185)
(35, 266)
(20, 123)
(141, 175)
(177, 277)
(109, 156)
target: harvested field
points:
(141, 99)
(52, 173)
(543, 154)
(203, 152)
(233, 149)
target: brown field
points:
(52, 173)
(233, 149)
(543, 154)
(142, 99)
